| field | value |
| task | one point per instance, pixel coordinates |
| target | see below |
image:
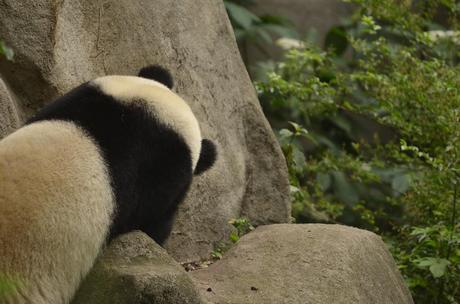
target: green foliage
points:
(6, 51)
(242, 226)
(369, 129)
(247, 25)
(219, 249)
(258, 30)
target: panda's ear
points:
(208, 156)
(157, 73)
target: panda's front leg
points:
(160, 229)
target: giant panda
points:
(115, 154)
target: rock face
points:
(60, 44)
(135, 270)
(9, 118)
(305, 264)
(276, 264)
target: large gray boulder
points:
(9, 117)
(305, 264)
(135, 270)
(60, 44)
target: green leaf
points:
(234, 237)
(370, 27)
(425, 262)
(216, 255)
(277, 20)
(240, 15)
(337, 40)
(285, 136)
(439, 267)
(296, 126)
(299, 159)
(285, 133)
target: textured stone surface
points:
(311, 263)
(60, 44)
(9, 118)
(135, 270)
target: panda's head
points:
(153, 87)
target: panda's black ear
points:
(208, 156)
(157, 73)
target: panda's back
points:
(144, 141)
(51, 201)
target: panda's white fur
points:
(168, 107)
(72, 220)
(69, 183)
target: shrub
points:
(369, 128)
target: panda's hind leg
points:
(159, 230)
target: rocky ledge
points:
(283, 263)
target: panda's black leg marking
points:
(150, 165)
(160, 230)
(157, 73)
(159, 226)
(208, 156)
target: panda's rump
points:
(56, 203)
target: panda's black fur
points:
(157, 73)
(145, 159)
(149, 164)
